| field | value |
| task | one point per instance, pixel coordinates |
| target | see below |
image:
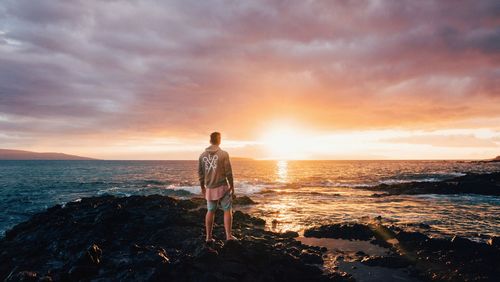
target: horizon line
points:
(251, 159)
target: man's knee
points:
(211, 206)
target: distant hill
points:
(6, 154)
(497, 159)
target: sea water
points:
(291, 195)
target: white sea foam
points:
(190, 189)
(112, 190)
(249, 188)
(399, 181)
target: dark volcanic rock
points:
(390, 261)
(151, 238)
(348, 231)
(243, 201)
(483, 184)
(380, 195)
(290, 234)
(24, 276)
(437, 259)
(377, 234)
(458, 259)
(309, 256)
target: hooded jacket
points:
(214, 167)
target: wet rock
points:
(380, 195)
(424, 226)
(381, 243)
(146, 256)
(45, 279)
(79, 272)
(341, 277)
(411, 237)
(290, 234)
(192, 203)
(23, 276)
(92, 256)
(341, 231)
(360, 253)
(307, 256)
(243, 218)
(458, 259)
(460, 242)
(482, 184)
(243, 201)
(440, 259)
(389, 261)
(233, 248)
(437, 244)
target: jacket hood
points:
(212, 148)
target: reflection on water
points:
(282, 171)
(314, 193)
(473, 216)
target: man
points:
(216, 181)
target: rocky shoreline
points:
(428, 259)
(149, 238)
(158, 238)
(481, 184)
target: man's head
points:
(215, 138)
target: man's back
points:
(214, 167)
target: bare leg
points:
(209, 224)
(228, 224)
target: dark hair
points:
(215, 138)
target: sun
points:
(284, 143)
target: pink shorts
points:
(214, 194)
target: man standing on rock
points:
(216, 181)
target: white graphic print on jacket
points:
(210, 162)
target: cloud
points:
(458, 140)
(172, 68)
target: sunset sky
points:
(279, 79)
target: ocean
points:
(290, 195)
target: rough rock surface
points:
(434, 259)
(153, 238)
(483, 184)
